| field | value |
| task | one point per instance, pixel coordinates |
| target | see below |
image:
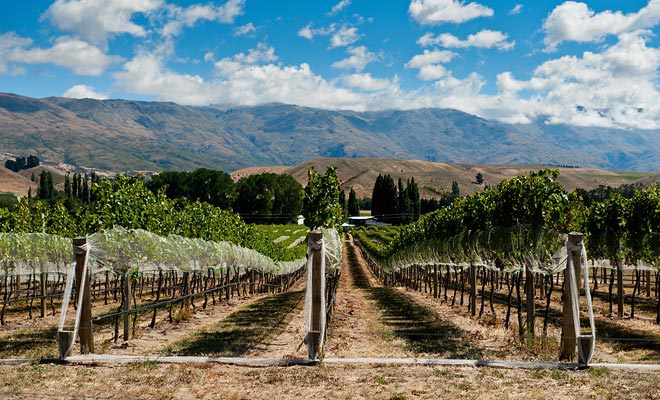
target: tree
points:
(45, 189)
(268, 198)
(207, 185)
(384, 199)
(455, 191)
(353, 205)
(67, 187)
(321, 202)
(479, 178)
(412, 192)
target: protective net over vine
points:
(503, 249)
(34, 253)
(122, 250)
(136, 250)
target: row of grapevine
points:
(516, 226)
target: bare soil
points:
(369, 320)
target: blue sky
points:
(590, 63)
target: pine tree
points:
(353, 204)
(67, 187)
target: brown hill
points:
(435, 178)
(11, 182)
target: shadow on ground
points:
(421, 328)
(28, 342)
(245, 330)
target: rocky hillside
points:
(122, 135)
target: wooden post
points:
(314, 335)
(568, 334)
(86, 333)
(42, 291)
(619, 288)
(473, 290)
(127, 306)
(529, 292)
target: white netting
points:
(121, 250)
(509, 250)
(34, 253)
(141, 251)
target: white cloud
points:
(433, 12)
(430, 57)
(339, 6)
(615, 88)
(80, 57)
(245, 29)
(84, 92)
(96, 20)
(516, 10)
(9, 42)
(483, 39)
(308, 32)
(243, 80)
(360, 57)
(368, 83)
(188, 17)
(344, 36)
(573, 21)
(262, 54)
(429, 64)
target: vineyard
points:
(494, 276)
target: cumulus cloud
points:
(9, 43)
(483, 39)
(189, 16)
(96, 20)
(247, 79)
(84, 92)
(80, 57)
(433, 12)
(614, 88)
(344, 36)
(339, 6)
(368, 83)
(429, 64)
(245, 29)
(430, 57)
(360, 57)
(573, 21)
(308, 32)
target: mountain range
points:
(127, 135)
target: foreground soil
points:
(187, 381)
(369, 320)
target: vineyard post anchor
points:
(314, 335)
(568, 333)
(86, 333)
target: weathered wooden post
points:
(42, 291)
(83, 284)
(619, 288)
(127, 294)
(568, 328)
(531, 309)
(473, 290)
(314, 336)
